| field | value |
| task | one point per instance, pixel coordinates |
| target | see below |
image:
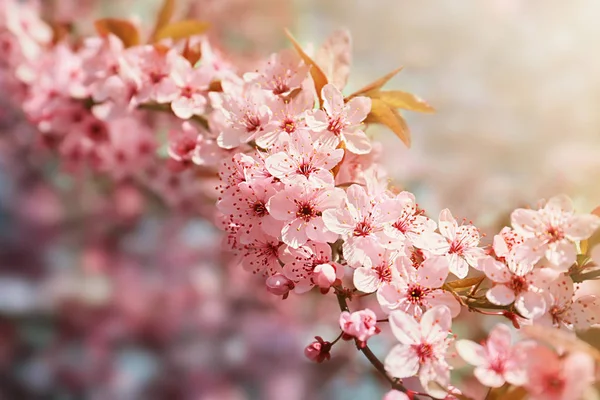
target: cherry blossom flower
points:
(155, 69)
(288, 116)
(183, 142)
(360, 325)
(564, 310)
(340, 122)
(505, 241)
(516, 282)
(417, 290)
(232, 170)
(303, 161)
(311, 265)
(552, 232)
(411, 223)
(118, 93)
(378, 270)
(261, 255)
(361, 223)
(355, 167)
(551, 377)
(423, 346)
(282, 73)
(461, 247)
(246, 203)
(185, 88)
(247, 115)
(301, 208)
(496, 361)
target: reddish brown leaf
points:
(404, 100)
(465, 283)
(181, 30)
(378, 84)
(316, 73)
(383, 114)
(192, 53)
(121, 28)
(164, 17)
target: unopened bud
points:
(279, 285)
(318, 351)
(513, 318)
(324, 275)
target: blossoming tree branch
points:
(303, 201)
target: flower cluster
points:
(301, 197)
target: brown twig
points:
(376, 362)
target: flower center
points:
(272, 250)
(279, 85)
(305, 169)
(306, 211)
(187, 92)
(555, 234)
(97, 132)
(185, 147)
(424, 351)
(363, 228)
(558, 315)
(288, 125)
(259, 208)
(384, 272)
(415, 294)
(156, 77)
(251, 122)
(335, 126)
(456, 247)
(518, 284)
(403, 224)
(417, 257)
(554, 383)
(497, 366)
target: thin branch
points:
(376, 362)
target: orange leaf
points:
(192, 53)
(383, 114)
(465, 283)
(181, 30)
(317, 74)
(60, 31)
(164, 17)
(121, 28)
(378, 84)
(515, 393)
(404, 100)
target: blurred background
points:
(108, 294)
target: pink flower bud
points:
(360, 325)
(318, 351)
(513, 318)
(324, 275)
(279, 285)
(396, 395)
